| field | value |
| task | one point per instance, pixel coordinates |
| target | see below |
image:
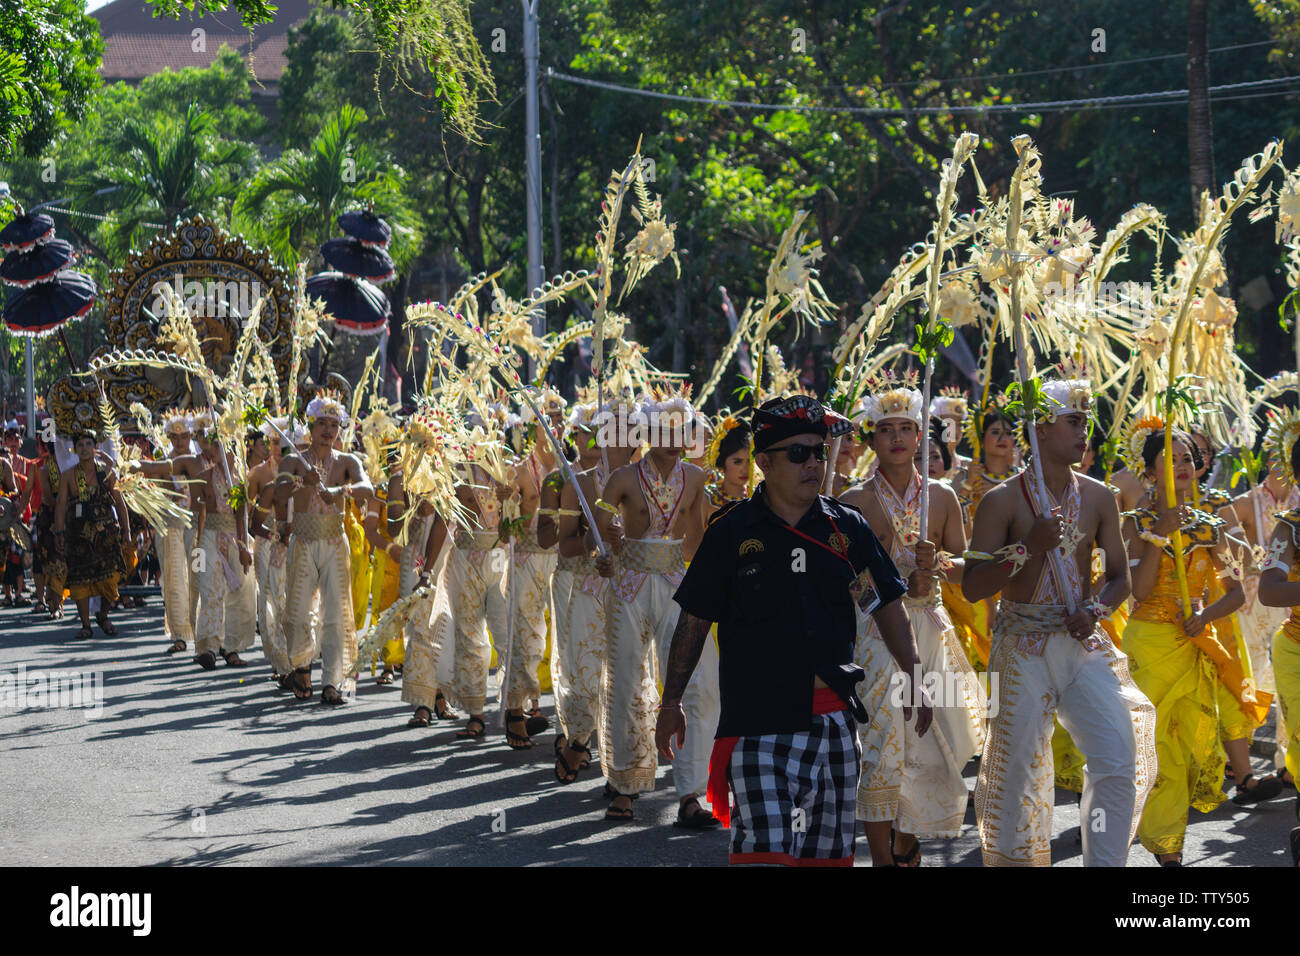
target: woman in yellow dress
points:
(385, 575)
(1166, 648)
(1279, 586)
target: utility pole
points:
(533, 157)
(31, 388)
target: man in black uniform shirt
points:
(780, 573)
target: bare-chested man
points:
(176, 542)
(476, 580)
(227, 591)
(531, 584)
(270, 529)
(1055, 663)
(318, 481)
(909, 783)
(661, 502)
(579, 591)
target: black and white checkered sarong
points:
(794, 795)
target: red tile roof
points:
(137, 45)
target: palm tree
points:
(291, 204)
(164, 174)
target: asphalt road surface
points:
(182, 766)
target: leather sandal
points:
(1265, 788)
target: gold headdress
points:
(725, 423)
(951, 402)
(1283, 430)
(1139, 430)
(893, 397)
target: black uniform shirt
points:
(782, 604)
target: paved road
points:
(188, 767)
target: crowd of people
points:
(940, 615)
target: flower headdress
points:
(893, 397)
(1283, 430)
(724, 424)
(325, 405)
(1139, 430)
(952, 402)
(177, 422)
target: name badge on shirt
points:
(78, 509)
(864, 592)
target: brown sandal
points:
(300, 683)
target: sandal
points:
(386, 677)
(468, 734)
(21, 601)
(418, 721)
(444, 712)
(104, 624)
(536, 725)
(330, 696)
(610, 793)
(1264, 789)
(909, 860)
(207, 660)
(563, 772)
(177, 645)
(84, 634)
(697, 819)
(586, 755)
(619, 814)
(299, 682)
(514, 740)
(233, 659)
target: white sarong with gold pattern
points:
(916, 782)
(640, 619)
(227, 612)
(579, 654)
(1045, 675)
(476, 588)
(533, 566)
(319, 564)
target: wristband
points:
(606, 506)
(1097, 609)
(1014, 555)
(1154, 539)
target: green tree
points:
(49, 53)
(291, 204)
(413, 38)
(162, 173)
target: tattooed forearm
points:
(683, 655)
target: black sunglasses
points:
(798, 454)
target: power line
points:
(92, 215)
(1071, 69)
(1132, 99)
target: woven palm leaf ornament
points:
(936, 333)
(1004, 264)
(502, 361)
(1201, 253)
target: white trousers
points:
(226, 616)
(532, 595)
(270, 561)
(320, 566)
(917, 782)
(1112, 722)
(579, 654)
(174, 560)
(638, 636)
(476, 583)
